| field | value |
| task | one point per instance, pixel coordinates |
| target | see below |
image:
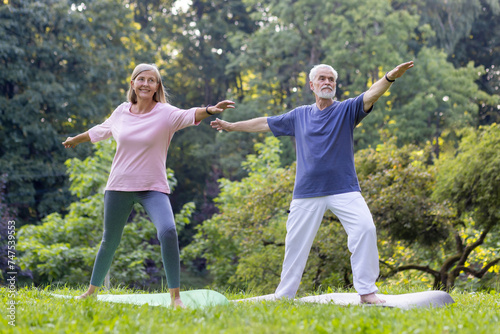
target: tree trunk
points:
(445, 278)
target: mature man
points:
(326, 178)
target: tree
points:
(63, 69)
(451, 20)
(482, 46)
(436, 101)
(193, 49)
(470, 179)
(361, 39)
(397, 184)
(423, 224)
(8, 237)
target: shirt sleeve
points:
(181, 118)
(357, 106)
(103, 130)
(282, 125)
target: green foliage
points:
(63, 69)
(415, 204)
(397, 184)
(438, 100)
(193, 54)
(450, 20)
(470, 177)
(481, 46)
(363, 40)
(245, 236)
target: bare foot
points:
(91, 292)
(177, 302)
(86, 295)
(371, 298)
(175, 297)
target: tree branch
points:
(449, 263)
(425, 269)
(471, 247)
(477, 273)
(459, 243)
(271, 242)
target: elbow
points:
(368, 104)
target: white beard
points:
(330, 94)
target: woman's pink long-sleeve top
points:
(142, 144)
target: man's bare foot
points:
(371, 298)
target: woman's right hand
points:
(70, 142)
(73, 141)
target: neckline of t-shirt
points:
(322, 110)
(141, 115)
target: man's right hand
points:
(258, 124)
(220, 125)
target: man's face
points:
(324, 84)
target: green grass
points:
(38, 312)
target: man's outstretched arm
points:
(381, 86)
(258, 124)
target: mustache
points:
(326, 95)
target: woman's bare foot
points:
(175, 296)
(177, 302)
(91, 292)
(371, 298)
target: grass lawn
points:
(38, 312)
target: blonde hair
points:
(161, 94)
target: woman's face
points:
(145, 85)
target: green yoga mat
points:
(192, 298)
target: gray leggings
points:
(117, 208)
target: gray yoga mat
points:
(403, 301)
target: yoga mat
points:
(192, 299)
(404, 301)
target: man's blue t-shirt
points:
(325, 146)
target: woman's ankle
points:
(175, 297)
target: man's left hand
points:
(399, 70)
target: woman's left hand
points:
(221, 106)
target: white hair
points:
(314, 70)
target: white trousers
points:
(303, 223)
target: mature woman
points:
(142, 128)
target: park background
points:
(428, 155)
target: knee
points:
(109, 244)
(366, 230)
(370, 228)
(168, 235)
